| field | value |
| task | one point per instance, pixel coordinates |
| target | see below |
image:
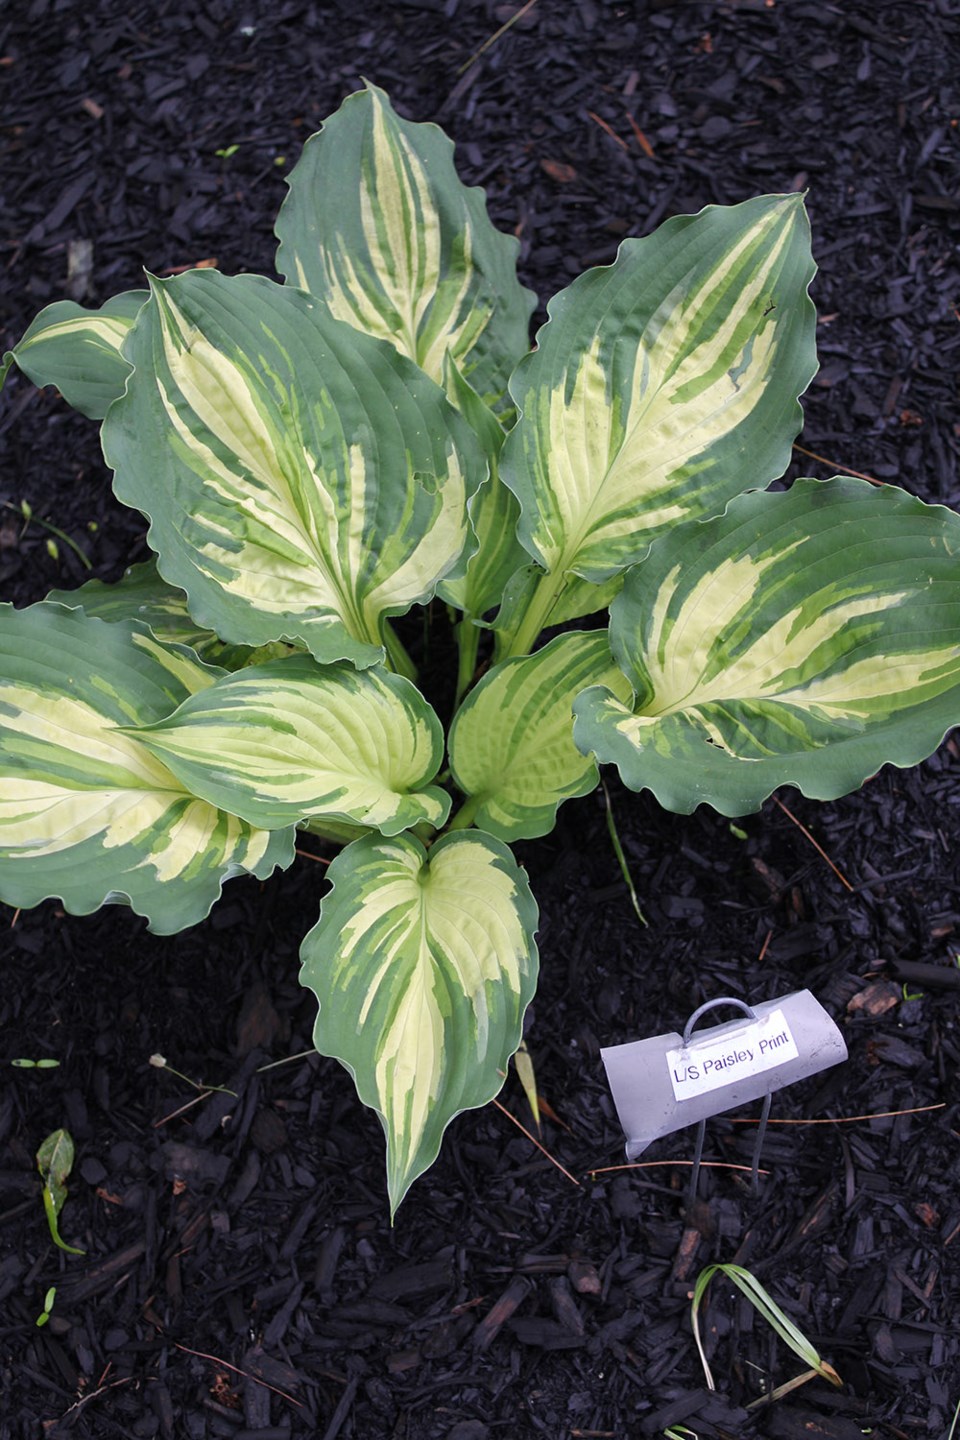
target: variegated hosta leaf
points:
(302, 480)
(494, 512)
(292, 740)
(511, 743)
(423, 965)
(803, 638)
(78, 351)
(87, 814)
(379, 226)
(142, 595)
(662, 386)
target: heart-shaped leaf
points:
(141, 595)
(423, 966)
(79, 351)
(803, 638)
(292, 740)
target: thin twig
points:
(215, 1360)
(188, 1105)
(287, 1060)
(496, 35)
(604, 126)
(780, 1390)
(812, 455)
(642, 140)
(660, 1164)
(534, 1141)
(100, 1390)
(847, 1119)
(819, 848)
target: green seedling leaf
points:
(769, 1310)
(55, 1161)
(48, 1300)
(52, 548)
(46, 1063)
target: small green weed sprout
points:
(26, 510)
(48, 1300)
(55, 1161)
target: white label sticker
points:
(707, 1062)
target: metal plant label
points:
(668, 1082)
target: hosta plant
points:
(318, 457)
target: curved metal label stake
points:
(671, 1081)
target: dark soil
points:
(241, 1278)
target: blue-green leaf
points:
(662, 386)
(803, 638)
(142, 595)
(511, 743)
(79, 351)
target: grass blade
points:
(750, 1286)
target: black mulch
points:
(241, 1278)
